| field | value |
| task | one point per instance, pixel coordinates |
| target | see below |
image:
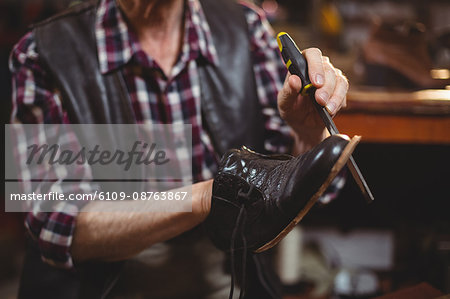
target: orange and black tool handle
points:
(297, 65)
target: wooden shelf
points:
(397, 117)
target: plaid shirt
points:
(156, 98)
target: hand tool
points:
(297, 65)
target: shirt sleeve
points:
(270, 74)
(36, 101)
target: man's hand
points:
(298, 111)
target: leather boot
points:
(257, 199)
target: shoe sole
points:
(343, 159)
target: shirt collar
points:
(117, 43)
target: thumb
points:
(290, 91)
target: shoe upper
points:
(273, 189)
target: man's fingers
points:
(339, 97)
(315, 66)
(324, 93)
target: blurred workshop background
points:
(396, 54)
